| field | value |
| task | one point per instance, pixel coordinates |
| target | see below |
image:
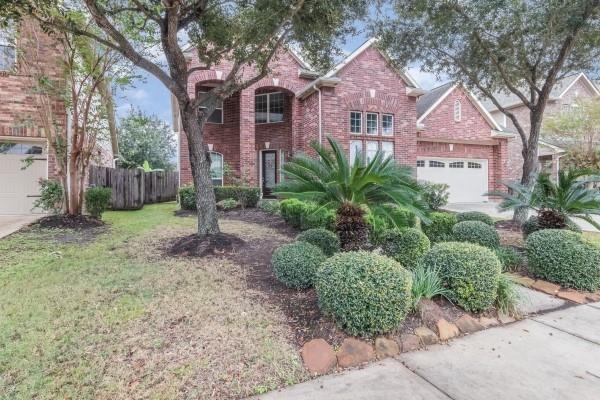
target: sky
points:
(150, 95)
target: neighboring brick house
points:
(366, 104)
(563, 96)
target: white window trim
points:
(393, 155)
(376, 124)
(10, 43)
(361, 122)
(216, 108)
(383, 133)
(222, 166)
(457, 111)
(504, 120)
(269, 108)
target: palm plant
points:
(556, 202)
(330, 181)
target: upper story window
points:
(457, 111)
(387, 125)
(217, 116)
(8, 50)
(372, 123)
(268, 107)
(355, 122)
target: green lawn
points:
(592, 237)
(111, 317)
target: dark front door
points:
(269, 171)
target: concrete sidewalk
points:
(12, 223)
(551, 356)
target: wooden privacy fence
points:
(132, 188)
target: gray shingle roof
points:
(427, 100)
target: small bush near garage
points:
(510, 258)
(475, 216)
(440, 228)
(470, 271)
(187, 198)
(532, 225)
(51, 196)
(435, 194)
(296, 264)
(564, 257)
(407, 246)
(227, 204)
(366, 293)
(476, 232)
(97, 200)
(326, 240)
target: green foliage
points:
(296, 264)
(366, 293)
(476, 232)
(245, 196)
(292, 211)
(470, 271)
(475, 216)
(532, 225)
(306, 215)
(51, 196)
(510, 258)
(187, 198)
(435, 194)
(227, 204)
(269, 205)
(145, 140)
(97, 200)
(407, 246)
(398, 219)
(564, 257)
(508, 296)
(326, 240)
(426, 284)
(440, 227)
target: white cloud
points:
(137, 94)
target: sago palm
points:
(331, 181)
(556, 203)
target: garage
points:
(19, 186)
(467, 177)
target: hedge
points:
(305, 215)
(366, 293)
(470, 271)
(326, 240)
(296, 264)
(406, 246)
(476, 232)
(475, 216)
(245, 196)
(564, 257)
(440, 228)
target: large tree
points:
(517, 47)
(246, 33)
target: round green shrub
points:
(227, 204)
(187, 198)
(509, 257)
(407, 246)
(326, 240)
(366, 293)
(440, 228)
(476, 232)
(296, 264)
(470, 271)
(475, 216)
(564, 257)
(97, 200)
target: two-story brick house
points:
(366, 104)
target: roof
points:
(508, 99)
(428, 102)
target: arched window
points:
(216, 168)
(457, 111)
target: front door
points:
(269, 171)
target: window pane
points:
(276, 107)
(7, 57)
(355, 122)
(387, 124)
(371, 150)
(261, 108)
(436, 164)
(371, 124)
(216, 117)
(456, 164)
(388, 149)
(355, 150)
(216, 167)
(457, 110)
(20, 148)
(420, 163)
(474, 165)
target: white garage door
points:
(19, 188)
(467, 178)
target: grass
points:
(593, 237)
(110, 317)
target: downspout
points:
(320, 122)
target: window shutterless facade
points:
(217, 116)
(372, 148)
(355, 122)
(268, 107)
(387, 149)
(372, 123)
(8, 51)
(457, 111)
(387, 125)
(216, 168)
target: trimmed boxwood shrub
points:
(440, 228)
(475, 216)
(532, 225)
(366, 293)
(407, 246)
(296, 264)
(564, 257)
(476, 232)
(470, 271)
(326, 240)
(315, 216)
(292, 211)
(187, 198)
(509, 257)
(245, 196)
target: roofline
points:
(437, 103)
(557, 149)
(319, 82)
(589, 82)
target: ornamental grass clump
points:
(407, 246)
(296, 264)
(471, 272)
(366, 293)
(476, 232)
(326, 240)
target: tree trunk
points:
(352, 228)
(107, 99)
(530, 161)
(73, 187)
(200, 165)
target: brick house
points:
(366, 104)
(563, 96)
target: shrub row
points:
(476, 232)
(245, 196)
(406, 246)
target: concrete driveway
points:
(12, 223)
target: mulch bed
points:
(78, 222)
(508, 225)
(69, 228)
(206, 245)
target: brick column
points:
(248, 155)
